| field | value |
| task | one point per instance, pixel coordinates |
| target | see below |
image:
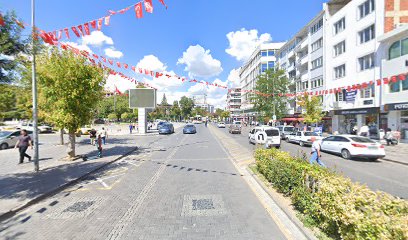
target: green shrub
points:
(340, 208)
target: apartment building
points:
(263, 58)
(234, 102)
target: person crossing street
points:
(24, 141)
(316, 154)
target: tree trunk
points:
(71, 145)
(61, 136)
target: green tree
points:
(312, 107)
(186, 105)
(218, 112)
(274, 83)
(112, 117)
(225, 114)
(11, 45)
(71, 88)
(109, 105)
(175, 111)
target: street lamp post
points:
(34, 90)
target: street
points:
(178, 187)
(379, 175)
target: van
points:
(273, 138)
(285, 131)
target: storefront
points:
(345, 120)
(398, 118)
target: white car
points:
(273, 138)
(303, 138)
(9, 138)
(349, 146)
(44, 129)
(221, 125)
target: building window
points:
(398, 48)
(264, 67)
(318, 62)
(317, 82)
(339, 26)
(366, 8)
(340, 96)
(366, 62)
(271, 53)
(367, 92)
(340, 71)
(317, 45)
(339, 48)
(367, 34)
(399, 85)
(317, 26)
(271, 64)
(264, 53)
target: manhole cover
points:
(79, 206)
(202, 204)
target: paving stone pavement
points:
(184, 187)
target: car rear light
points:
(358, 145)
(381, 146)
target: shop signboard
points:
(357, 111)
(351, 96)
(397, 106)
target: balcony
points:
(303, 60)
(291, 67)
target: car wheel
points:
(373, 159)
(4, 146)
(345, 154)
(301, 143)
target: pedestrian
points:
(92, 136)
(24, 141)
(104, 135)
(130, 128)
(388, 136)
(316, 154)
(364, 131)
(99, 145)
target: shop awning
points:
(289, 119)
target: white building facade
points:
(263, 58)
(234, 102)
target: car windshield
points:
(272, 132)
(362, 140)
(237, 123)
(289, 129)
(308, 134)
(4, 134)
(189, 126)
(222, 123)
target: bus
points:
(197, 119)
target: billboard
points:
(142, 98)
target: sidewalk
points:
(397, 154)
(20, 185)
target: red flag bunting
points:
(394, 79)
(118, 63)
(125, 65)
(139, 10)
(103, 59)
(100, 24)
(75, 31)
(378, 82)
(162, 2)
(107, 20)
(386, 81)
(81, 29)
(134, 68)
(86, 26)
(110, 61)
(93, 24)
(148, 6)
(401, 77)
(66, 32)
(2, 23)
(20, 24)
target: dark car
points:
(166, 128)
(189, 129)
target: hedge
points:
(340, 208)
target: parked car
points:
(166, 128)
(189, 129)
(44, 129)
(303, 138)
(10, 138)
(159, 125)
(26, 126)
(286, 131)
(221, 125)
(273, 138)
(234, 128)
(349, 146)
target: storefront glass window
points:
(404, 46)
(404, 84)
(394, 87)
(404, 113)
(395, 50)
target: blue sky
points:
(166, 34)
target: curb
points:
(394, 161)
(58, 189)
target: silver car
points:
(9, 138)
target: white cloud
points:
(112, 53)
(233, 78)
(215, 96)
(121, 83)
(243, 42)
(199, 62)
(151, 62)
(80, 47)
(97, 39)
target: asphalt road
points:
(180, 187)
(379, 175)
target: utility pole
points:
(34, 90)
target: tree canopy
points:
(312, 108)
(186, 105)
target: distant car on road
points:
(303, 138)
(273, 138)
(160, 124)
(44, 129)
(286, 131)
(10, 138)
(349, 146)
(234, 128)
(166, 128)
(189, 129)
(221, 125)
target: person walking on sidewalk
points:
(316, 154)
(99, 144)
(130, 128)
(24, 141)
(104, 135)
(92, 135)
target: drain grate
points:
(202, 204)
(79, 206)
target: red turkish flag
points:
(148, 6)
(401, 77)
(118, 63)
(386, 81)
(103, 59)
(125, 65)
(75, 31)
(66, 32)
(86, 26)
(59, 34)
(110, 61)
(100, 24)
(394, 79)
(139, 10)
(2, 23)
(162, 2)
(81, 29)
(378, 82)
(134, 68)
(95, 56)
(93, 24)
